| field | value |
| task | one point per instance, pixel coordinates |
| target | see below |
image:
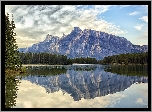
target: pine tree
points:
(12, 60)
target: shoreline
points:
(74, 64)
(25, 65)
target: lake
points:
(83, 86)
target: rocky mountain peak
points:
(77, 29)
(87, 43)
(48, 37)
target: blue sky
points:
(33, 23)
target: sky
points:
(34, 22)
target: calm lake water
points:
(83, 86)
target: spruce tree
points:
(12, 60)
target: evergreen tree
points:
(12, 60)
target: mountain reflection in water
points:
(86, 84)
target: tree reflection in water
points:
(129, 70)
(11, 88)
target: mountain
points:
(48, 45)
(86, 43)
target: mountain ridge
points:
(85, 43)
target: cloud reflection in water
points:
(36, 97)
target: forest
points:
(126, 59)
(56, 59)
(52, 59)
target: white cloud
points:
(28, 22)
(144, 18)
(102, 8)
(133, 13)
(139, 27)
(122, 6)
(38, 21)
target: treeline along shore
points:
(56, 59)
(127, 59)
